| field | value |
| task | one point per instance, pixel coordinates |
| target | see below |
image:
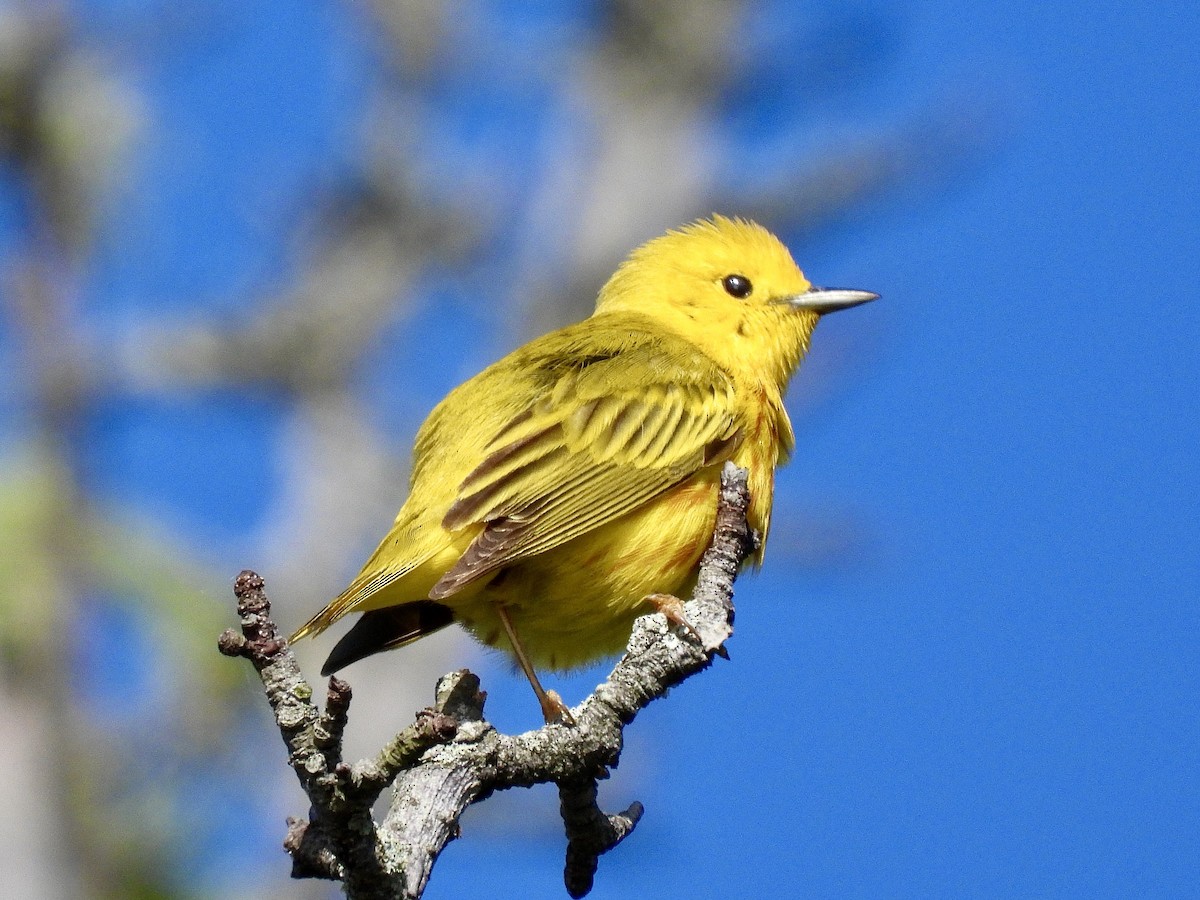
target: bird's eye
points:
(737, 286)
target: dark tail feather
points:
(385, 629)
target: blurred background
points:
(246, 246)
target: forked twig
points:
(451, 757)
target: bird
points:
(572, 486)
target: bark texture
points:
(451, 757)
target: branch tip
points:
(590, 832)
(458, 696)
(308, 859)
(337, 703)
(436, 726)
(230, 643)
(247, 582)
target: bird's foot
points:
(672, 609)
(554, 710)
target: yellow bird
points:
(562, 491)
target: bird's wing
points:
(608, 435)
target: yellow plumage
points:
(579, 474)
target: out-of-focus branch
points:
(309, 339)
(66, 122)
(451, 757)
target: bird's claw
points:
(672, 609)
(554, 710)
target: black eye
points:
(737, 286)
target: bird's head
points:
(730, 286)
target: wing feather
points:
(605, 438)
(667, 430)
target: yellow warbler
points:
(559, 489)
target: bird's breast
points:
(758, 454)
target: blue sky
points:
(993, 692)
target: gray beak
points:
(827, 300)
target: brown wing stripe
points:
(471, 507)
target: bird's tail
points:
(386, 629)
(374, 578)
(316, 624)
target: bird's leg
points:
(553, 708)
(672, 609)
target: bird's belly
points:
(576, 603)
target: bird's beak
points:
(827, 300)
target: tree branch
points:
(451, 757)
